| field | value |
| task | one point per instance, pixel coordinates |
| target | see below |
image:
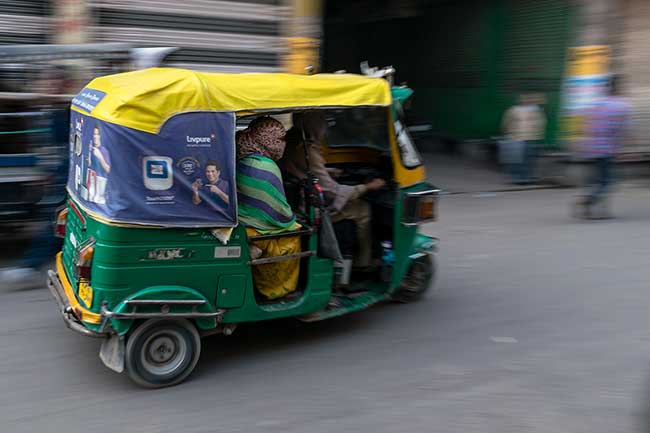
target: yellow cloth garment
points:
(275, 280)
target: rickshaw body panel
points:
(131, 263)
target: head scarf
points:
(264, 136)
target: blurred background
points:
(540, 322)
(468, 61)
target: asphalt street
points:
(538, 323)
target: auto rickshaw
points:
(151, 272)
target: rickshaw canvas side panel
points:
(182, 177)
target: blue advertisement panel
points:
(184, 176)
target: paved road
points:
(539, 324)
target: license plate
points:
(85, 293)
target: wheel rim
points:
(421, 274)
(417, 280)
(163, 352)
(418, 277)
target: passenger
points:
(343, 200)
(263, 206)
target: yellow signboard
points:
(589, 60)
(587, 76)
(303, 52)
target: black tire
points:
(418, 279)
(162, 352)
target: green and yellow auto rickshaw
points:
(151, 270)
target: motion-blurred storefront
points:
(211, 35)
(467, 60)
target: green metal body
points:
(134, 263)
(122, 270)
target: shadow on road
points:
(261, 340)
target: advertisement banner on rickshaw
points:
(184, 176)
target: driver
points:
(343, 200)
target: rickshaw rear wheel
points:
(162, 352)
(418, 279)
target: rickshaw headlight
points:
(84, 260)
(419, 207)
(426, 208)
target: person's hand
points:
(213, 189)
(97, 153)
(196, 185)
(375, 184)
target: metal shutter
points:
(453, 53)
(212, 35)
(24, 22)
(635, 71)
(536, 36)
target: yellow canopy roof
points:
(145, 99)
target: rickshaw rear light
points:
(60, 223)
(84, 260)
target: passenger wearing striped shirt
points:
(263, 206)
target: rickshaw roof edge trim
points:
(146, 99)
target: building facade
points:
(211, 35)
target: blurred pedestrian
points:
(43, 244)
(604, 128)
(524, 125)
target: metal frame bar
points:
(276, 259)
(46, 52)
(108, 314)
(164, 302)
(425, 192)
(69, 318)
(71, 321)
(303, 232)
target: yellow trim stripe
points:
(86, 316)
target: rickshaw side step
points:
(340, 305)
(275, 259)
(302, 232)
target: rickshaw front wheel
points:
(162, 352)
(417, 280)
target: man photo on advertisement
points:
(213, 188)
(99, 162)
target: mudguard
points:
(424, 244)
(158, 295)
